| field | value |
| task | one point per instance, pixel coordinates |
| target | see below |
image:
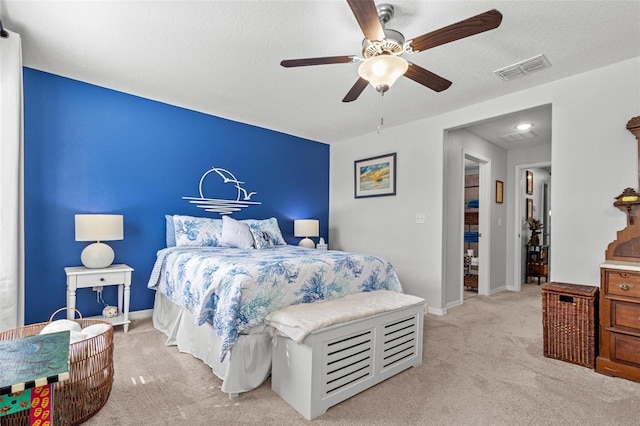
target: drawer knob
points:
(102, 279)
(624, 286)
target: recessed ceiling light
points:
(524, 126)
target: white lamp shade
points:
(382, 71)
(306, 228)
(99, 227)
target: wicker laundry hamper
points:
(90, 375)
(570, 322)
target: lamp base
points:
(307, 242)
(97, 255)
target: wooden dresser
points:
(619, 337)
(619, 320)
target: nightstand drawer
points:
(626, 315)
(102, 278)
(625, 349)
(623, 283)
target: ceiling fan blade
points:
(355, 91)
(427, 78)
(475, 25)
(367, 16)
(288, 63)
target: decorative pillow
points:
(262, 239)
(171, 231)
(197, 231)
(236, 234)
(268, 225)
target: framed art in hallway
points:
(529, 182)
(499, 192)
(375, 176)
(529, 208)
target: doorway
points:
(471, 211)
(475, 202)
(532, 262)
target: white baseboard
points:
(437, 311)
(145, 313)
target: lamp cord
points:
(99, 298)
(380, 95)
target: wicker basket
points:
(570, 321)
(90, 375)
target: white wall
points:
(594, 158)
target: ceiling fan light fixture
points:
(382, 71)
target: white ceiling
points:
(502, 130)
(223, 57)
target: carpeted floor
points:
(483, 365)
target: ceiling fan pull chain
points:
(380, 95)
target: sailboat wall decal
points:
(219, 205)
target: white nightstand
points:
(81, 277)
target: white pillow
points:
(236, 234)
(76, 336)
(95, 329)
(60, 325)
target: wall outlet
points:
(420, 218)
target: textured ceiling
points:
(222, 57)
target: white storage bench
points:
(334, 362)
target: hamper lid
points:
(573, 289)
(33, 361)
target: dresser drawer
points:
(98, 279)
(624, 314)
(623, 283)
(625, 349)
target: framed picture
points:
(529, 182)
(499, 192)
(529, 208)
(376, 176)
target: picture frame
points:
(375, 176)
(529, 182)
(499, 192)
(529, 208)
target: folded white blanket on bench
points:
(297, 321)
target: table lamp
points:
(306, 228)
(98, 228)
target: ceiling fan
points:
(382, 48)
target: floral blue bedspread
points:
(234, 289)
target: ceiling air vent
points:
(522, 68)
(518, 136)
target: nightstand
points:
(81, 277)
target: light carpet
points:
(483, 364)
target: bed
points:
(214, 289)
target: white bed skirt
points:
(246, 366)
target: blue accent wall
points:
(94, 150)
